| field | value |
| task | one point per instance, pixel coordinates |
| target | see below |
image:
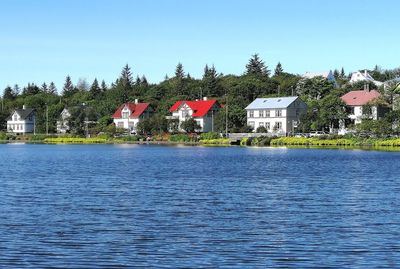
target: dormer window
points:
(15, 117)
(125, 114)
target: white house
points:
(279, 114)
(359, 76)
(203, 111)
(355, 100)
(21, 121)
(326, 75)
(63, 122)
(128, 115)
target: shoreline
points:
(172, 143)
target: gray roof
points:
(23, 113)
(276, 102)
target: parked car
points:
(317, 133)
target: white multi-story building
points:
(202, 111)
(128, 115)
(279, 114)
(63, 122)
(326, 75)
(21, 121)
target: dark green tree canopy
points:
(256, 66)
(278, 69)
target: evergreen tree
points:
(179, 73)
(138, 81)
(336, 74)
(278, 69)
(95, 89)
(68, 89)
(125, 82)
(144, 81)
(16, 90)
(257, 67)
(342, 73)
(166, 77)
(31, 89)
(210, 81)
(8, 93)
(44, 88)
(52, 88)
(103, 86)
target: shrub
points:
(209, 135)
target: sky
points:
(46, 40)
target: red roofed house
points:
(128, 115)
(203, 111)
(355, 100)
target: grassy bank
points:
(352, 142)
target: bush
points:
(261, 129)
(209, 135)
(3, 136)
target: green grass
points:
(75, 140)
(371, 142)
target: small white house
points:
(355, 100)
(21, 121)
(359, 76)
(326, 75)
(202, 111)
(279, 114)
(128, 115)
(63, 122)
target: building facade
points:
(202, 111)
(278, 115)
(356, 102)
(63, 122)
(128, 115)
(21, 121)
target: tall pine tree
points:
(256, 66)
(125, 82)
(68, 89)
(278, 69)
(210, 82)
(95, 90)
(52, 88)
(179, 72)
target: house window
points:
(268, 125)
(120, 125)
(125, 114)
(185, 114)
(278, 113)
(15, 117)
(278, 125)
(251, 124)
(251, 114)
(261, 113)
(267, 113)
(261, 124)
(20, 127)
(350, 110)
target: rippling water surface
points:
(112, 206)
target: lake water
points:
(115, 206)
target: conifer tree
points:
(44, 88)
(144, 81)
(336, 74)
(278, 69)
(125, 82)
(8, 93)
(52, 88)
(342, 74)
(95, 89)
(68, 89)
(210, 81)
(103, 86)
(257, 67)
(179, 73)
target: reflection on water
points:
(145, 206)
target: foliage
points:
(209, 136)
(190, 125)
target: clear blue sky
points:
(44, 40)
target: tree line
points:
(98, 100)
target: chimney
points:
(204, 98)
(136, 101)
(23, 107)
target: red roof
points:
(359, 98)
(136, 110)
(200, 108)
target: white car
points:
(317, 133)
